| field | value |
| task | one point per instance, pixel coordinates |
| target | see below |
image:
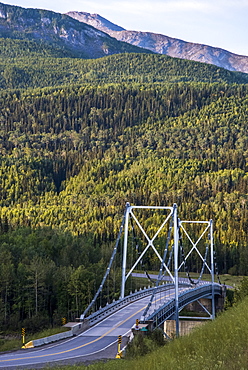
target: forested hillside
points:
(80, 138)
(25, 64)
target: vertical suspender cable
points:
(176, 268)
(212, 266)
(203, 266)
(124, 257)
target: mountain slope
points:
(41, 68)
(96, 21)
(80, 39)
(167, 45)
(144, 128)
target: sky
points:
(218, 23)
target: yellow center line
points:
(86, 344)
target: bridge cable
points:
(108, 268)
(134, 241)
(203, 266)
(138, 250)
(160, 276)
(192, 281)
(169, 260)
(149, 278)
(216, 268)
(183, 256)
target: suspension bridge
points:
(172, 245)
(172, 262)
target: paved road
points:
(98, 338)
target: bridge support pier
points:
(185, 327)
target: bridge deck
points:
(99, 337)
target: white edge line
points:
(68, 358)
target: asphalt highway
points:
(96, 339)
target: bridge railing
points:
(97, 316)
(167, 310)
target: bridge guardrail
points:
(112, 307)
(97, 316)
(167, 310)
(159, 315)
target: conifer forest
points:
(80, 138)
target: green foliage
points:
(148, 144)
(13, 340)
(10, 343)
(229, 299)
(140, 346)
(46, 275)
(157, 336)
(144, 343)
(29, 63)
(241, 291)
(80, 138)
(12, 49)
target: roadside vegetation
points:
(219, 344)
(13, 340)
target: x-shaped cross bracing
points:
(150, 242)
(194, 245)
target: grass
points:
(221, 344)
(13, 341)
(10, 343)
(48, 332)
(231, 280)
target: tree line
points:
(143, 129)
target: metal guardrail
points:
(168, 309)
(76, 329)
(52, 338)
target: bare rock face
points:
(81, 39)
(167, 45)
(185, 50)
(95, 20)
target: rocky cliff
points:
(167, 45)
(80, 39)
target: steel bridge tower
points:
(179, 228)
(175, 229)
